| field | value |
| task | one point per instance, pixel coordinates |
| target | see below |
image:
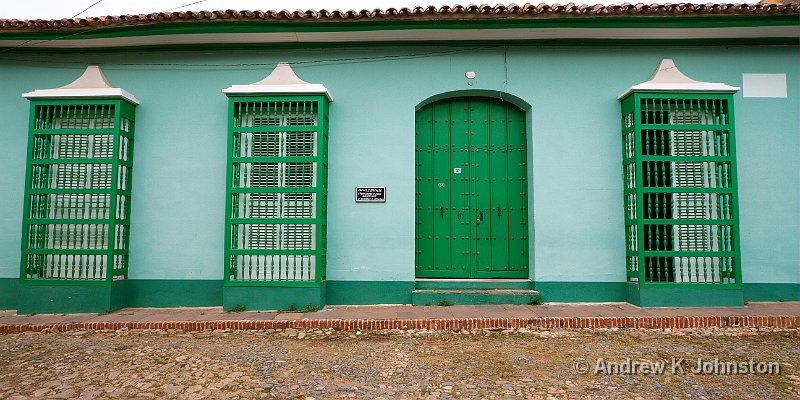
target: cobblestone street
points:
(389, 364)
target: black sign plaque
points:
(370, 195)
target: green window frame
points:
(680, 189)
(277, 178)
(76, 218)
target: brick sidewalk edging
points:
(536, 323)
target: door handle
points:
(441, 210)
(480, 217)
(498, 211)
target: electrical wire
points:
(222, 66)
(87, 8)
(185, 5)
(86, 31)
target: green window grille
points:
(680, 193)
(277, 190)
(76, 222)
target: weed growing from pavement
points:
(308, 308)
(444, 303)
(237, 308)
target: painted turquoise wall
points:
(576, 178)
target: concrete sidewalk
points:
(784, 315)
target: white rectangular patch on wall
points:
(764, 85)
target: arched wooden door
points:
(471, 190)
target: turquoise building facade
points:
(564, 71)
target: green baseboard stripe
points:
(581, 292)
(684, 296)
(58, 299)
(118, 296)
(369, 292)
(174, 293)
(771, 291)
(272, 297)
(632, 290)
(8, 293)
(208, 293)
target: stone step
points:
(434, 297)
(473, 284)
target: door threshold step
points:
(473, 284)
(477, 291)
(471, 280)
(434, 297)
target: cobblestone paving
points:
(390, 365)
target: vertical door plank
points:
(441, 193)
(517, 190)
(499, 170)
(424, 188)
(480, 186)
(459, 183)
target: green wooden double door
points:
(471, 190)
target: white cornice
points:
(411, 35)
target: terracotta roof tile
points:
(457, 11)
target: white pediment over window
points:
(92, 84)
(282, 80)
(668, 78)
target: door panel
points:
(471, 190)
(498, 139)
(424, 189)
(459, 184)
(442, 257)
(517, 191)
(480, 187)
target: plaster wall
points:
(575, 149)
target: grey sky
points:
(57, 9)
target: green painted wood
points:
(470, 185)
(480, 187)
(276, 203)
(442, 247)
(76, 219)
(500, 179)
(517, 152)
(681, 214)
(459, 184)
(423, 210)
